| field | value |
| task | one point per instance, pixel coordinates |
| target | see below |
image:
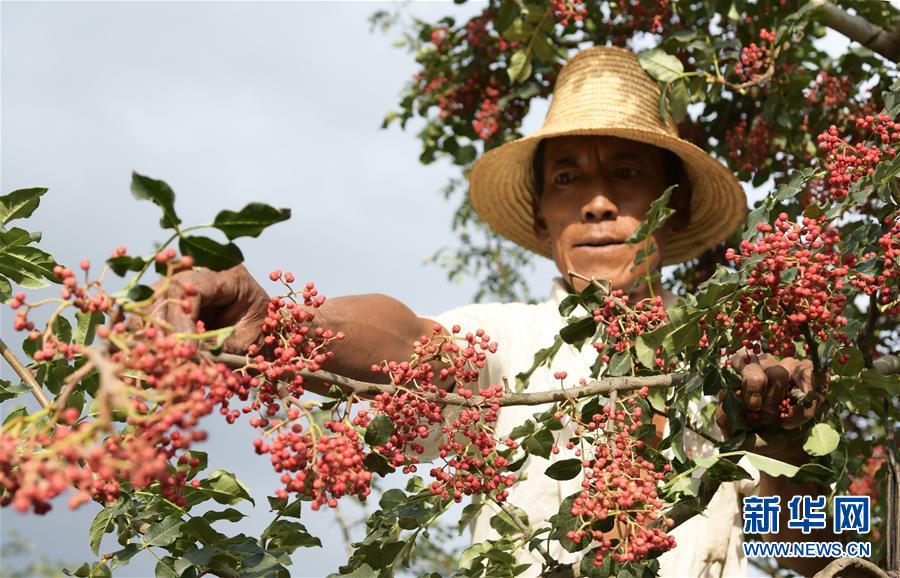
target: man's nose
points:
(599, 207)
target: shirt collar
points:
(560, 290)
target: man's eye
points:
(564, 178)
(627, 172)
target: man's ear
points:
(681, 202)
(541, 231)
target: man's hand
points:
(765, 381)
(219, 299)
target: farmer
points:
(574, 192)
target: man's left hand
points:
(765, 381)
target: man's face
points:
(596, 191)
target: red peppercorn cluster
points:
(469, 450)
(176, 387)
(846, 163)
(864, 482)
(794, 287)
(750, 145)
(486, 121)
(624, 323)
(627, 17)
(885, 284)
(324, 468)
(567, 11)
(829, 91)
(755, 58)
(620, 485)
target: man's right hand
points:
(222, 298)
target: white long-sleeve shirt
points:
(707, 545)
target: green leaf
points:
(656, 217)
(468, 514)
(161, 194)
(678, 100)
(540, 444)
(660, 66)
(122, 265)
(283, 508)
(378, 464)
(225, 488)
(19, 204)
(620, 364)
(81, 571)
(364, 571)
(822, 440)
(504, 523)
(541, 357)
(140, 293)
(123, 556)
(563, 522)
(102, 524)
(509, 11)
(9, 390)
(229, 514)
(579, 330)
(164, 532)
(564, 469)
(5, 290)
(62, 329)
(200, 529)
(28, 266)
(165, 568)
(889, 382)
(209, 253)
(519, 66)
(723, 470)
(379, 431)
(287, 536)
(87, 326)
(772, 466)
(249, 221)
(471, 554)
(524, 429)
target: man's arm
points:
(787, 489)
(377, 327)
(764, 381)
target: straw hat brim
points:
(501, 189)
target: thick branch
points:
(858, 29)
(851, 568)
(24, 373)
(593, 388)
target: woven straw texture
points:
(604, 91)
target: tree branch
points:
(858, 29)
(24, 373)
(600, 386)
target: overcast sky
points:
(229, 103)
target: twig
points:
(526, 531)
(345, 529)
(25, 374)
(596, 283)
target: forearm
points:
(781, 486)
(377, 328)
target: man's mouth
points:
(602, 244)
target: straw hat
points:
(604, 91)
